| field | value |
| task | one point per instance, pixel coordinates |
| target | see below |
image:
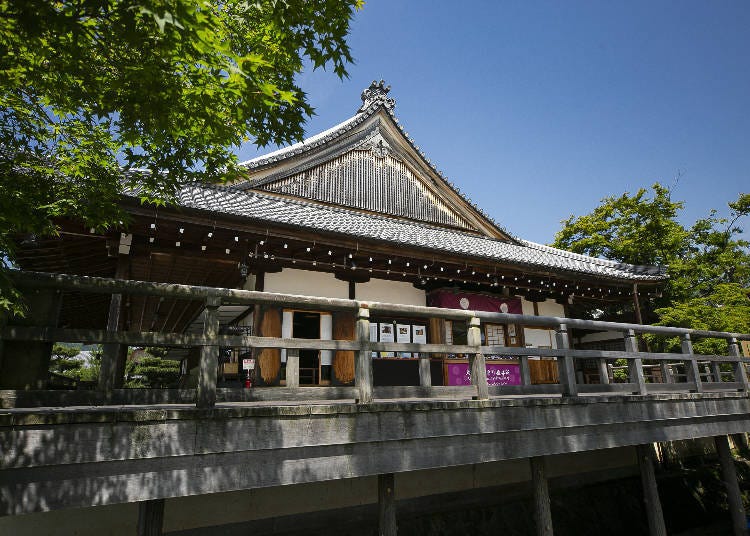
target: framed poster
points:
(403, 334)
(386, 334)
(418, 336)
(497, 374)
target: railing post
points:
(292, 367)
(209, 355)
(477, 363)
(425, 375)
(363, 363)
(693, 374)
(566, 365)
(716, 371)
(635, 365)
(740, 374)
(603, 371)
(110, 351)
(666, 372)
(525, 370)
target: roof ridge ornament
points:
(377, 93)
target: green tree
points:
(152, 370)
(708, 262)
(64, 361)
(101, 95)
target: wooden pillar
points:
(734, 497)
(740, 373)
(477, 362)
(150, 517)
(363, 362)
(565, 363)
(206, 397)
(691, 365)
(542, 512)
(386, 506)
(651, 500)
(525, 370)
(635, 365)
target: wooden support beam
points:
(206, 395)
(734, 497)
(691, 365)
(150, 517)
(477, 363)
(542, 511)
(363, 362)
(635, 365)
(565, 364)
(386, 506)
(651, 500)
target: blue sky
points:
(537, 110)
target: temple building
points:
(357, 212)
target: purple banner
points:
(474, 302)
(497, 374)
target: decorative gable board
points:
(373, 178)
(369, 163)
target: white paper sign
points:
(386, 335)
(403, 334)
(419, 334)
(248, 364)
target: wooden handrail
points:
(210, 341)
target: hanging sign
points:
(497, 374)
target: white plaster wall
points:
(306, 283)
(551, 308)
(541, 337)
(382, 290)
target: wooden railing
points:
(210, 341)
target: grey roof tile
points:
(257, 206)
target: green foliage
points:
(152, 370)
(101, 95)
(65, 363)
(708, 263)
(631, 228)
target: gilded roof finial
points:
(377, 93)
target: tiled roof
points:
(312, 216)
(372, 103)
